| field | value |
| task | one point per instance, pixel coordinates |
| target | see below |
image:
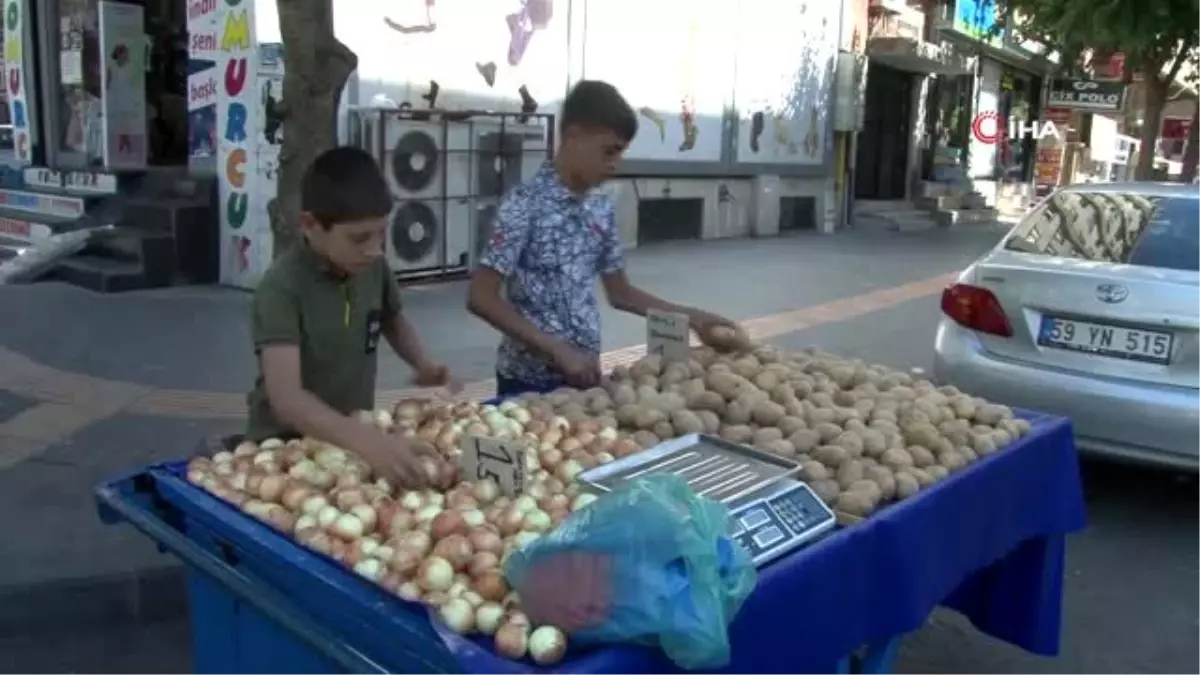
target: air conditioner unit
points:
(482, 217)
(506, 155)
(428, 168)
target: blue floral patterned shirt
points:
(551, 244)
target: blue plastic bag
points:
(649, 563)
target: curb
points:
(138, 597)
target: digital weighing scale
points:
(773, 511)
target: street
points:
(91, 386)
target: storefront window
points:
(79, 127)
(1019, 97)
(950, 107)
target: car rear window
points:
(1114, 227)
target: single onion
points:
(347, 498)
(348, 526)
(473, 518)
(447, 523)
(413, 501)
(435, 574)
(327, 515)
(406, 560)
(491, 585)
(294, 495)
(512, 641)
(488, 617)
(410, 591)
(525, 504)
(456, 549)
(547, 645)
(486, 539)
(418, 540)
(482, 562)
(367, 514)
(313, 504)
(510, 521)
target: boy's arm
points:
(625, 296)
(485, 297)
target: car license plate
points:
(1133, 344)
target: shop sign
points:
(49, 205)
(991, 128)
(23, 230)
(14, 78)
(1087, 95)
(87, 182)
(235, 153)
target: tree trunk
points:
(1156, 100)
(316, 67)
(1191, 151)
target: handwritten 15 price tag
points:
(667, 335)
(502, 461)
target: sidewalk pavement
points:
(92, 386)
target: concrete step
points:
(908, 220)
(958, 217)
(101, 274)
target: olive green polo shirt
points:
(335, 320)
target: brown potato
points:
(921, 456)
(826, 489)
(710, 420)
(935, 472)
(851, 441)
(828, 431)
(873, 441)
(766, 380)
(627, 414)
(1001, 438)
(624, 394)
(805, 440)
(813, 471)
(649, 365)
(952, 461)
(725, 384)
(781, 447)
(790, 425)
(686, 422)
(764, 435)
(831, 456)
(706, 400)
(849, 472)
(991, 414)
(907, 484)
(737, 433)
(768, 413)
(646, 439)
(737, 413)
(922, 434)
(886, 481)
(983, 444)
(648, 417)
(896, 459)
(855, 503)
(868, 486)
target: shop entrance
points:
(882, 159)
(125, 108)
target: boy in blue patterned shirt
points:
(551, 238)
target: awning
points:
(917, 56)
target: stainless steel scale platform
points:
(773, 511)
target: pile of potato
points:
(864, 435)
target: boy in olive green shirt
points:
(320, 311)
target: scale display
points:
(773, 511)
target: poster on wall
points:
(268, 138)
(123, 85)
(675, 65)
(15, 40)
(508, 55)
(786, 53)
(202, 81)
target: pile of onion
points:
(443, 548)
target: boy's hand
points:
(581, 370)
(398, 460)
(702, 322)
(435, 375)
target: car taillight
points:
(976, 308)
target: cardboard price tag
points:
(667, 335)
(502, 461)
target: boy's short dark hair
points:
(596, 104)
(344, 185)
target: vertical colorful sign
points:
(14, 77)
(235, 162)
(202, 80)
(977, 18)
(123, 85)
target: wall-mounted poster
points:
(202, 81)
(505, 55)
(16, 38)
(674, 61)
(786, 53)
(123, 52)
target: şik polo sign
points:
(1087, 95)
(239, 257)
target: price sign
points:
(667, 335)
(502, 461)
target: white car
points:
(1089, 308)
